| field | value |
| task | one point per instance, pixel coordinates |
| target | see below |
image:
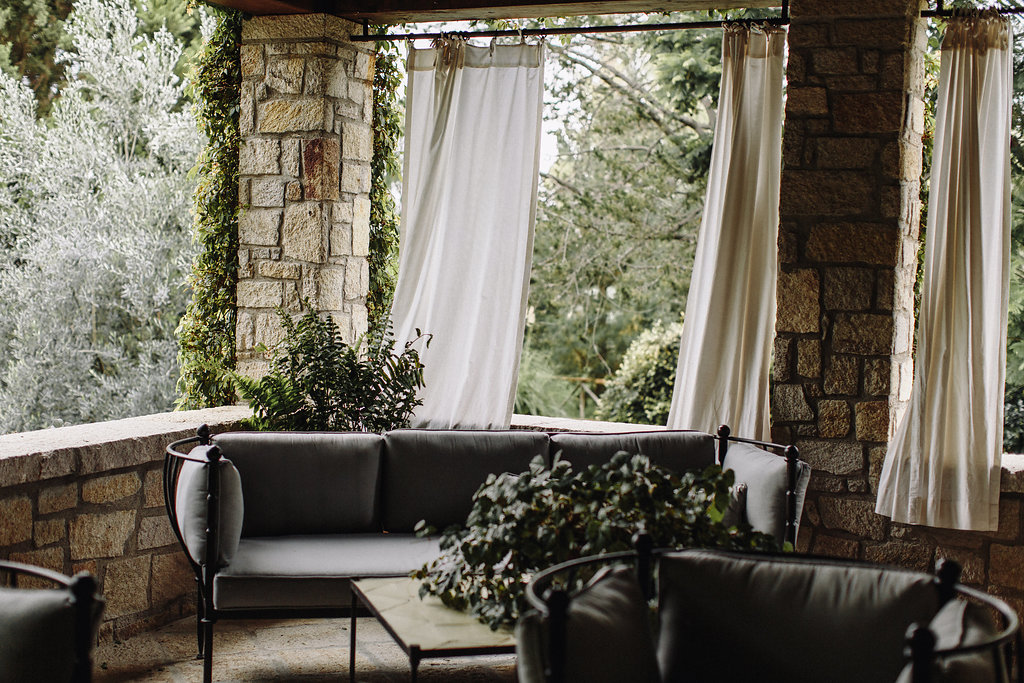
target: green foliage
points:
(30, 33)
(520, 524)
(540, 390)
(384, 170)
(206, 334)
(94, 227)
(318, 382)
(641, 389)
(619, 209)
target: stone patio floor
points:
(306, 650)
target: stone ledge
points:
(1012, 479)
(566, 424)
(28, 457)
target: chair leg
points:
(207, 651)
(200, 613)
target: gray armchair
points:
(729, 616)
(47, 634)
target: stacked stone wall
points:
(304, 164)
(848, 248)
(90, 498)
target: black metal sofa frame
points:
(731, 450)
(550, 596)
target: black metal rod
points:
(574, 30)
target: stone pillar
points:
(304, 176)
(847, 253)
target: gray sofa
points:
(738, 617)
(277, 524)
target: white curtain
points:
(472, 149)
(942, 468)
(722, 376)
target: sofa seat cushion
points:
(314, 571)
(677, 450)
(793, 619)
(432, 474)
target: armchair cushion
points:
(716, 604)
(37, 635)
(608, 634)
(190, 505)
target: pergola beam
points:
(412, 11)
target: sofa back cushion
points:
(765, 475)
(433, 474)
(306, 483)
(792, 618)
(677, 450)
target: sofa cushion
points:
(306, 483)
(675, 449)
(433, 474)
(794, 619)
(766, 478)
(314, 571)
(191, 507)
(608, 634)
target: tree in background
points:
(641, 390)
(94, 210)
(620, 208)
(30, 33)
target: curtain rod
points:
(942, 12)
(782, 20)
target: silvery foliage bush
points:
(94, 221)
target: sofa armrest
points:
(776, 483)
(189, 505)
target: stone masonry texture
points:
(304, 165)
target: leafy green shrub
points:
(641, 389)
(318, 382)
(1013, 420)
(520, 524)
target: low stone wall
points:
(90, 497)
(841, 523)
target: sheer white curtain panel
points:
(942, 468)
(722, 375)
(472, 150)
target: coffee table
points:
(423, 628)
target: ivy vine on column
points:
(206, 334)
(384, 169)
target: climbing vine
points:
(387, 128)
(206, 333)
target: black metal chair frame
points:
(206, 614)
(82, 588)
(553, 603)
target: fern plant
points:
(318, 382)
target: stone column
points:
(307, 143)
(848, 252)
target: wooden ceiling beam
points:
(413, 11)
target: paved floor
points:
(302, 650)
